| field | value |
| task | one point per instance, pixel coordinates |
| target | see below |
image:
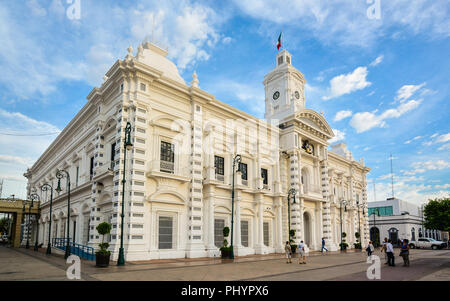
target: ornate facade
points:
(179, 171)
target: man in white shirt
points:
(301, 253)
(390, 253)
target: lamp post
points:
(61, 174)
(236, 159)
(47, 187)
(127, 146)
(343, 203)
(35, 197)
(292, 192)
(376, 211)
(30, 205)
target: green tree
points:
(437, 214)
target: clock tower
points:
(284, 89)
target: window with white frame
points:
(244, 233)
(219, 224)
(165, 234)
(266, 233)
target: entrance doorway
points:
(307, 228)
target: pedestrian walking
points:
(390, 253)
(370, 248)
(404, 252)
(301, 253)
(288, 251)
(383, 249)
(323, 246)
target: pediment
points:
(315, 123)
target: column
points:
(237, 223)
(279, 242)
(297, 208)
(260, 228)
(209, 221)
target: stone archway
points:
(307, 229)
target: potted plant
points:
(291, 241)
(102, 255)
(225, 250)
(343, 244)
(358, 246)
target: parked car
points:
(427, 242)
(4, 238)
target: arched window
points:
(413, 234)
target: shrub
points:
(103, 229)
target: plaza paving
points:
(23, 264)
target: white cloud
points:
(342, 114)
(445, 186)
(5, 159)
(365, 121)
(33, 64)
(348, 83)
(227, 40)
(443, 138)
(338, 136)
(36, 9)
(344, 22)
(444, 147)
(377, 61)
(421, 167)
(405, 92)
(413, 139)
(436, 138)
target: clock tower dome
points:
(284, 89)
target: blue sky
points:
(381, 80)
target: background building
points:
(179, 171)
(396, 219)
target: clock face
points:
(276, 95)
(297, 95)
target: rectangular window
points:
(91, 169)
(78, 175)
(219, 224)
(167, 152)
(167, 157)
(264, 176)
(388, 210)
(165, 232)
(142, 87)
(266, 233)
(219, 165)
(113, 151)
(243, 169)
(280, 60)
(244, 233)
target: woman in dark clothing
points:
(404, 252)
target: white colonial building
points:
(179, 170)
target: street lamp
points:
(236, 159)
(30, 204)
(61, 174)
(35, 197)
(343, 203)
(127, 146)
(376, 211)
(47, 187)
(292, 192)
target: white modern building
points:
(397, 219)
(179, 170)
